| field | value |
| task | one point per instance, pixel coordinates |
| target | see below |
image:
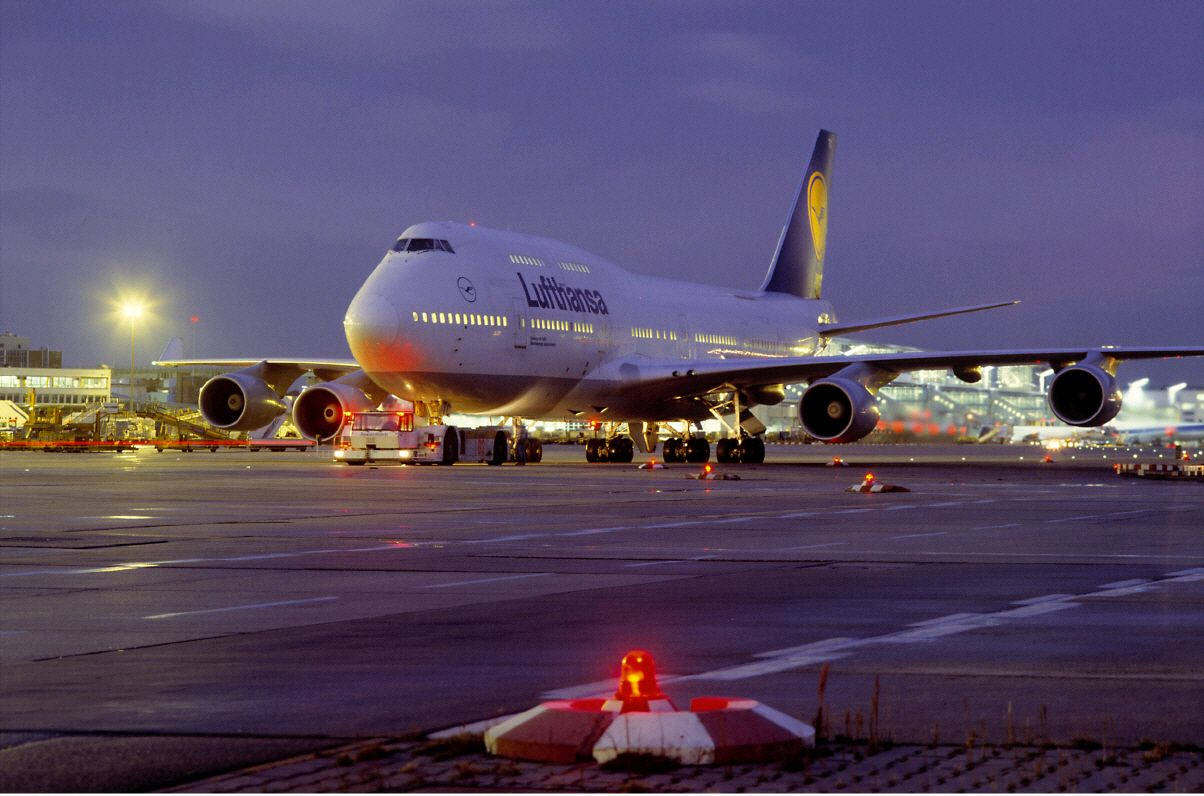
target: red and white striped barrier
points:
(641, 720)
(1194, 472)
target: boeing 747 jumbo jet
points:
(495, 323)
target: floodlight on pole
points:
(132, 310)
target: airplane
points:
(1128, 431)
(496, 323)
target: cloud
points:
(387, 31)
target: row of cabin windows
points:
(578, 267)
(522, 259)
(422, 245)
(644, 333)
(715, 339)
(580, 327)
(545, 323)
(461, 318)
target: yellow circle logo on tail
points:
(817, 212)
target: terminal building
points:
(37, 376)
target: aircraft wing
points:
(326, 369)
(682, 378)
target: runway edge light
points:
(872, 485)
(640, 720)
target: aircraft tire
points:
(671, 451)
(752, 450)
(698, 450)
(621, 449)
(451, 447)
(727, 450)
(534, 450)
(499, 449)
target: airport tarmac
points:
(168, 616)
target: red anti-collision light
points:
(637, 681)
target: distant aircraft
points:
(496, 323)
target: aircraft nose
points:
(372, 325)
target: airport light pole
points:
(132, 310)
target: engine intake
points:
(838, 410)
(1084, 395)
(320, 411)
(239, 402)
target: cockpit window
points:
(422, 245)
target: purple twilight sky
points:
(249, 162)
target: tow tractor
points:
(390, 436)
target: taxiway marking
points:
(787, 658)
(241, 607)
(486, 580)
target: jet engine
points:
(1084, 395)
(838, 410)
(320, 411)
(239, 401)
(765, 394)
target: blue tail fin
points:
(798, 264)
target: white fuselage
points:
(511, 324)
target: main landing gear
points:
(695, 450)
(745, 450)
(616, 449)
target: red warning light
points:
(707, 469)
(194, 319)
(869, 478)
(637, 681)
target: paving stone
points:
(901, 768)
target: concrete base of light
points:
(552, 732)
(866, 487)
(714, 730)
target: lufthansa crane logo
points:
(817, 212)
(466, 289)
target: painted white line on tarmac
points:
(804, 547)
(918, 535)
(518, 537)
(136, 565)
(1185, 575)
(241, 607)
(925, 631)
(591, 531)
(486, 580)
(664, 525)
(989, 527)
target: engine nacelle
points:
(838, 410)
(1084, 395)
(766, 394)
(239, 401)
(320, 411)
